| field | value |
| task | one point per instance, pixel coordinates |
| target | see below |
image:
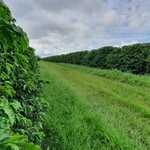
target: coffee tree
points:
(22, 110)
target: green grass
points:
(142, 80)
(91, 112)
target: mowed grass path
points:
(89, 112)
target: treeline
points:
(22, 109)
(134, 58)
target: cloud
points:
(62, 26)
(111, 18)
(125, 43)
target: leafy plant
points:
(133, 59)
(22, 110)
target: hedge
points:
(22, 109)
(134, 58)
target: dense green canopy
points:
(21, 107)
(134, 58)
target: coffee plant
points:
(22, 110)
(134, 58)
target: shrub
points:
(134, 58)
(22, 110)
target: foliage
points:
(22, 110)
(72, 58)
(134, 58)
(38, 58)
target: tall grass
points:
(73, 124)
(141, 80)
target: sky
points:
(62, 26)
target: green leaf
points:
(9, 67)
(16, 105)
(9, 112)
(16, 138)
(21, 141)
(11, 146)
(24, 43)
(4, 134)
(4, 123)
(29, 146)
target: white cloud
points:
(125, 43)
(111, 18)
(62, 26)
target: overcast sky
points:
(63, 26)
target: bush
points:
(133, 59)
(22, 110)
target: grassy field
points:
(91, 109)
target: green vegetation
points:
(91, 108)
(134, 59)
(89, 111)
(114, 74)
(22, 110)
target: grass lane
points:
(91, 112)
(142, 80)
(138, 98)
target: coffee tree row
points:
(22, 110)
(134, 58)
